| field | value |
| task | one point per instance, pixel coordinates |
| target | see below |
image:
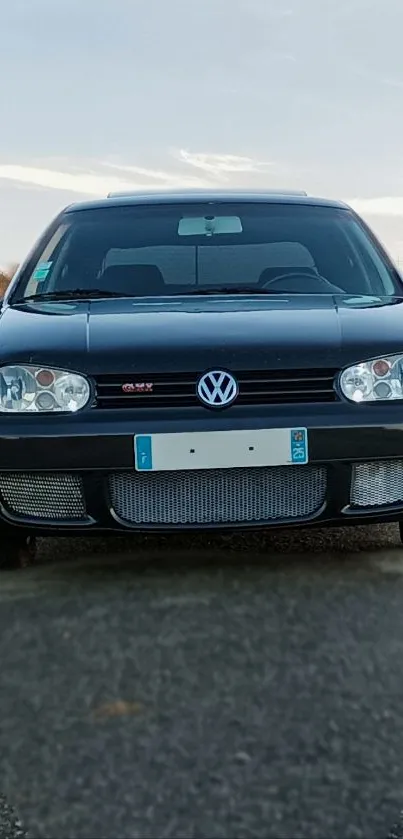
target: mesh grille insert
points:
(214, 496)
(377, 484)
(43, 496)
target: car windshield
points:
(175, 249)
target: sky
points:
(113, 95)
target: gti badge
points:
(138, 387)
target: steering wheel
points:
(308, 273)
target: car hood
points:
(194, 334)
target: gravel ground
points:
(397, 830)
(228, 688)
(10, 825)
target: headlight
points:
(374, 381)
(41, 390)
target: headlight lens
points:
(374, 381)
(41, 390)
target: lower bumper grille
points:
(214, 496)
(43, 496)
(377, 484)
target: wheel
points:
(401, 530)
(17, 550)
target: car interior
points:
(276, 256)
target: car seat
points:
(132, 280)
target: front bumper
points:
(89, 459)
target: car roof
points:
(197, 196)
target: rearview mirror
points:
(209, 225)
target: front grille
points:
(218, 496)
(43, 496)
(273, 387)
(377, 484)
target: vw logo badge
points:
(217, 389)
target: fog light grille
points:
(377, 484)
(43, 496)
(215, 496)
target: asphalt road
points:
(204, 689)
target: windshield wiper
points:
(71, 294)
(230, 290)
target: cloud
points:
(383, 206)
(223, 165)
(172, 179)
(99, 178)
(214, 169)
(376, 77)
(392, 82)
(85, 183)
(97, 183)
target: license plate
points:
(220, 449)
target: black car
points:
(200, 360)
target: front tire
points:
(401, 530)
(17, 550)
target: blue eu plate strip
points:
(144, 452)
(299, 445)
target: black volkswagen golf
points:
(202, 360)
